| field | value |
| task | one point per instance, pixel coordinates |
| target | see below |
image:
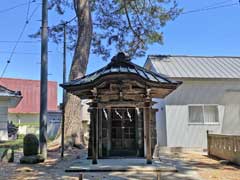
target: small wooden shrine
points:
(122, 119)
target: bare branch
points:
(129, 22)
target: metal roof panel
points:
(196, 66)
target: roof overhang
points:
(120, 70)
(11, 98)
(11, 101)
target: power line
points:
(210, 8)
(69, 21)
(216, 3)
(24, 52)
(37, 41)
(16, 6)
(24, 42)
(28, 9)
(17, 42)
(21, 34)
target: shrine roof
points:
(121, 64)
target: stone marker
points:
(30, 150)
(30, 145)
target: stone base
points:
(31, 159)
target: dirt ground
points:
(209, 168)
(53, 168)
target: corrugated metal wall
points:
(183, 134)
(30, 90)
(231, 120)
(179, 131)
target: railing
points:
(224, 146)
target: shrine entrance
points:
(122, 118)
(120, 132)
(123, 134)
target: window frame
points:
(204, 122)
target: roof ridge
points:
(197, 56)
(22, 79)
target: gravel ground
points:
(192, 166)
(207, 168)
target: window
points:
(196, 114)
(203, 114)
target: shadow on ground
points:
(54, 168)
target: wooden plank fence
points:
(224, 147)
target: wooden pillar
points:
(136, 133)
(109, 134)
(139, 132)
(94, 127)
(208, 143)
(147, 130)
(100, 132)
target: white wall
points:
(231, 120)
(54, 122)
(183, 134)
(24, 118)
(203, 91)
(161, 125)
(3, 123)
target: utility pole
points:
(64, 92)
(44, 80)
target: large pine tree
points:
(102, 26)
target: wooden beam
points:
(117, 104)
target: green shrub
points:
(30, 145)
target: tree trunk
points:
(73, 121)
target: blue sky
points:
(208, 33)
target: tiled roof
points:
(121, 66)
(196, 66)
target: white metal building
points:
(8, 99)
(208, 99)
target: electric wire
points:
(14, 7)
(213, 6)
(28, 9)
(25, 52)
(69, 21)
(24, 42)
(216, 3)
(210, 8)
(17, 42)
